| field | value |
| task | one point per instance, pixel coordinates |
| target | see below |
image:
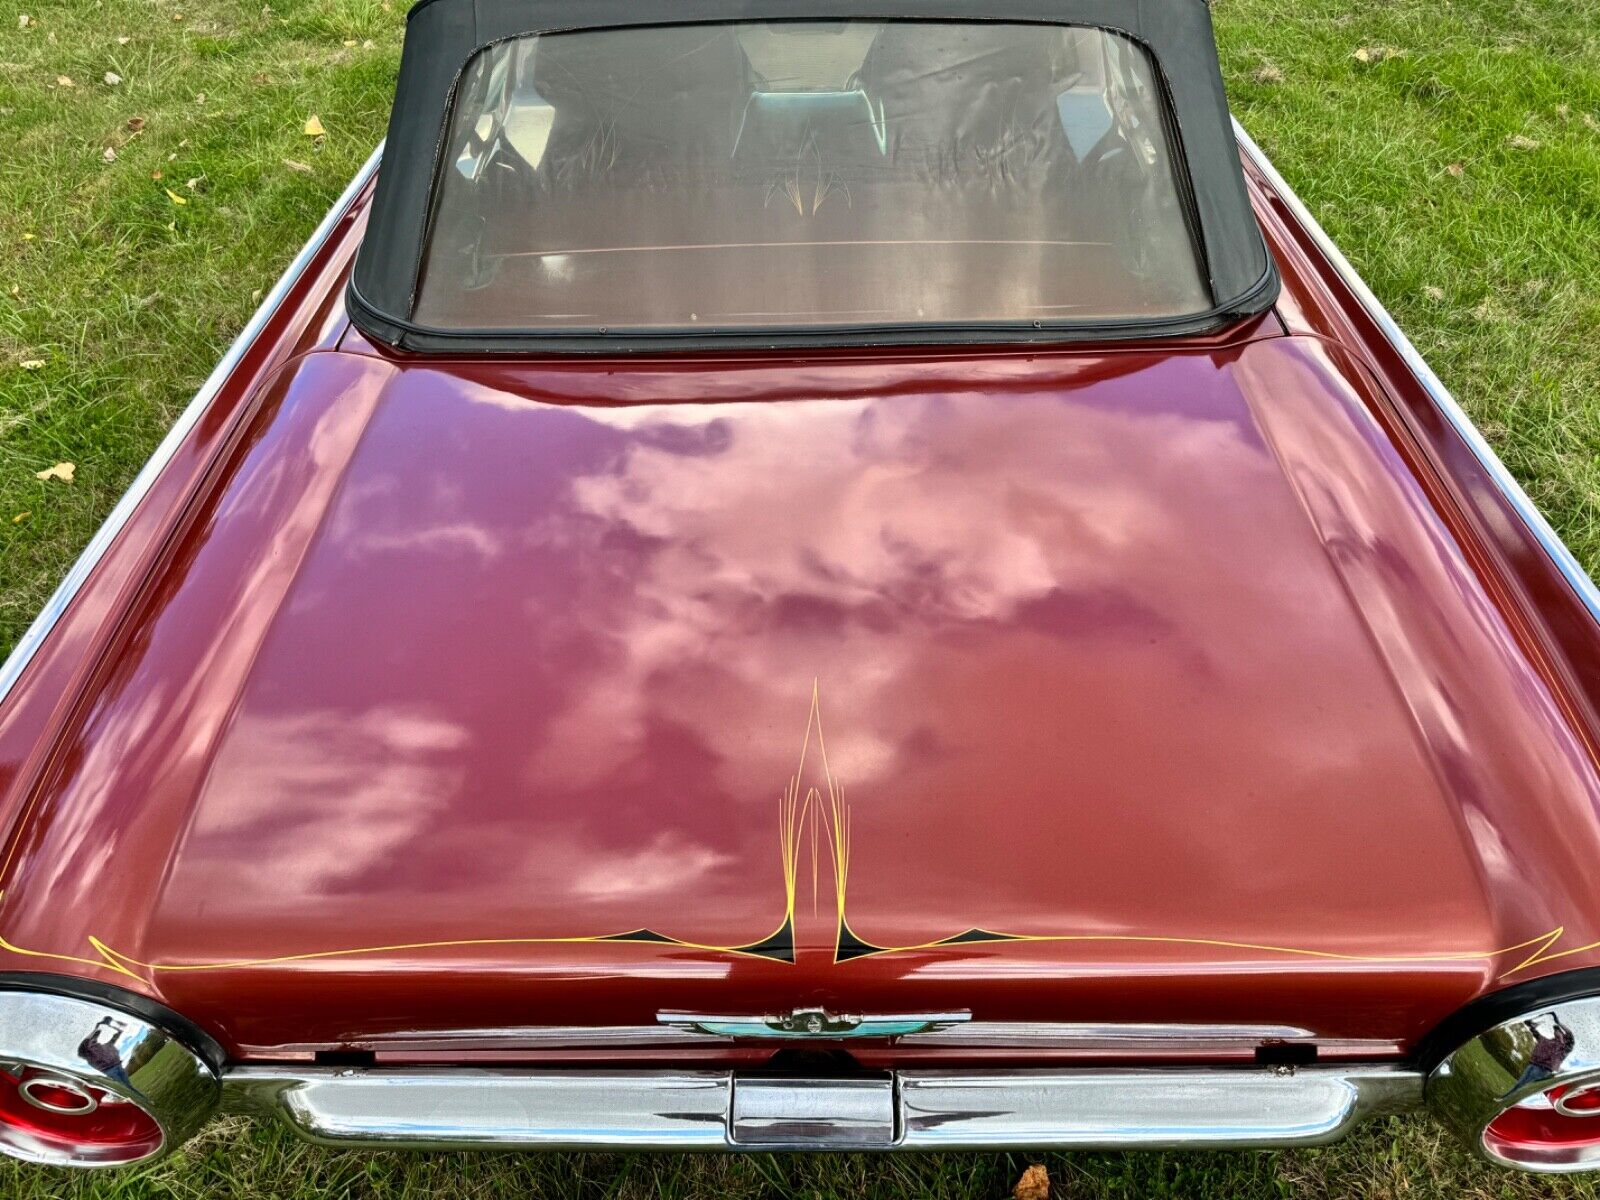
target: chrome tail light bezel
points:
(82, 1044)
(1514, 1064)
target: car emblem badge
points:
(813, 1023)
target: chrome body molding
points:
(75, 578)
(78, 1049)
(1447, 404)
(949, 1030)
(1506, 1067)
(1069, 1035)
(814, 1023)
(1180, 1107)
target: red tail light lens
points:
(1548, 1129)
(44, 1115)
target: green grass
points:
(128, 298)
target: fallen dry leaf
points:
(1433, 293)
(1367, 55)
(135, 124)
(113, 79)
(65, 81)
(194, 183)
(1034, 1184)
(349, 43)
(255, 296)
(314, 128)
(110, 154)
(63, 471)
(174, 197)
(1518, 141)
(124, 40)
(156, 175)
(1267, 74)
(303, 168)
(24, 20)
(32, 364)
(367, 45)
(21, 517)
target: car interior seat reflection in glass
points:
(803, 174)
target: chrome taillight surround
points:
(67, 1061)
(1523, 1092)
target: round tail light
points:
(1558, 1125)
(82, 1084)
(1527, 1092)
(57, 1116)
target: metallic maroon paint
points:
(1209, 657)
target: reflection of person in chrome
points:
(1550, 1050)
(99, 1050)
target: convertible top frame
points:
(443, 36)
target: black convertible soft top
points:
(444, 36)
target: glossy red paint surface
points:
(1168, 664)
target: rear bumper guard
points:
(1175, 1108)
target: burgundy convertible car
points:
(871, 581)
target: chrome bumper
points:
(1177, 1108)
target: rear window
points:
(783, 175)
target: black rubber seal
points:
(163, 1018)
(1496, 1008)
(468, 343)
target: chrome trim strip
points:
(525, 1037)
(1064, 1035)
(88, 1044)
(42, 624)
(1566, 562)
(1179, 1107)
(1078, 1035)
(1496, 1071)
